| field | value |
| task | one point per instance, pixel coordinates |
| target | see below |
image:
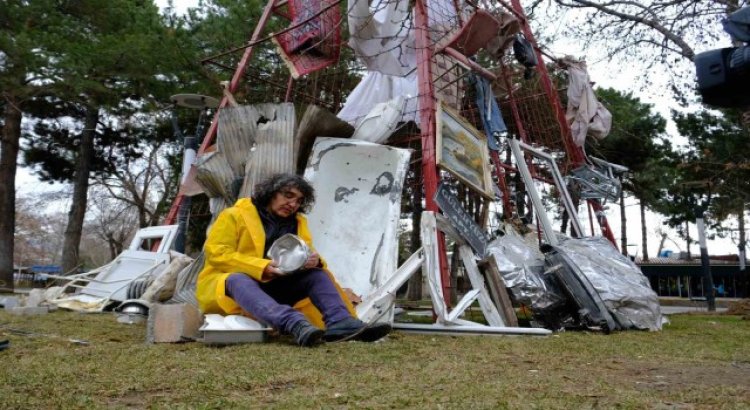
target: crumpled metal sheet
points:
(215, 175)
(522, 267)
(620, 283)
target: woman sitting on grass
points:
(238, 275)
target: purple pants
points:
(271, 302)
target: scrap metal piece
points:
(560, 183)
(274, 145)
(379, 302)
(477, 283)
(195, 101)
(354, 221)
(215, 175)
(621, 285)
(498, 291)
(536, 200)
(112, 282)
(595, 183)
(235, 135)
(317, 122)
(461, 220)
(592, 312)
(469, 330)
(431, 267)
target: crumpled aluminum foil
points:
(521, 267)
(290, 252)
(620, 283)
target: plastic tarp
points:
(619, 282)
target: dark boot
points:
(355, 329)
(306, 334)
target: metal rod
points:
(428, 129)
(547, 230)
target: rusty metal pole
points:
(427, 127)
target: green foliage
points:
(637, 141)
(717, 158)
(116, 58)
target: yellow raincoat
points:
(235, 243)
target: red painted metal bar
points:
(576, 154)
(239, 72)
(427, 127)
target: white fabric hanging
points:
(585, 114)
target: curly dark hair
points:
(265, 190)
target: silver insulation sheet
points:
(522, 266)
(620, 283)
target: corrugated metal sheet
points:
(274, 145)
(317, 122)
(186, 281)
(236, 135)
(215, 175)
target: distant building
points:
(682, 277)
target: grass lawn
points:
(698, 361)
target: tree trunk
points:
(80, 192)
(741, 245)
(623, 223)
(687, 239)
(8, 159)
(661, 244)
(644, 236)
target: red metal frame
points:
(576, 153)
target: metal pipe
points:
(708, 282)
(428, 129)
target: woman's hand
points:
(313, 261)
(271, 271)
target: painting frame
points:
(471, 164)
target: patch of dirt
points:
(740, 307)
(665, 378)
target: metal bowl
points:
(132, 311)
(290, 252)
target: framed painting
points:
(462, 151)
